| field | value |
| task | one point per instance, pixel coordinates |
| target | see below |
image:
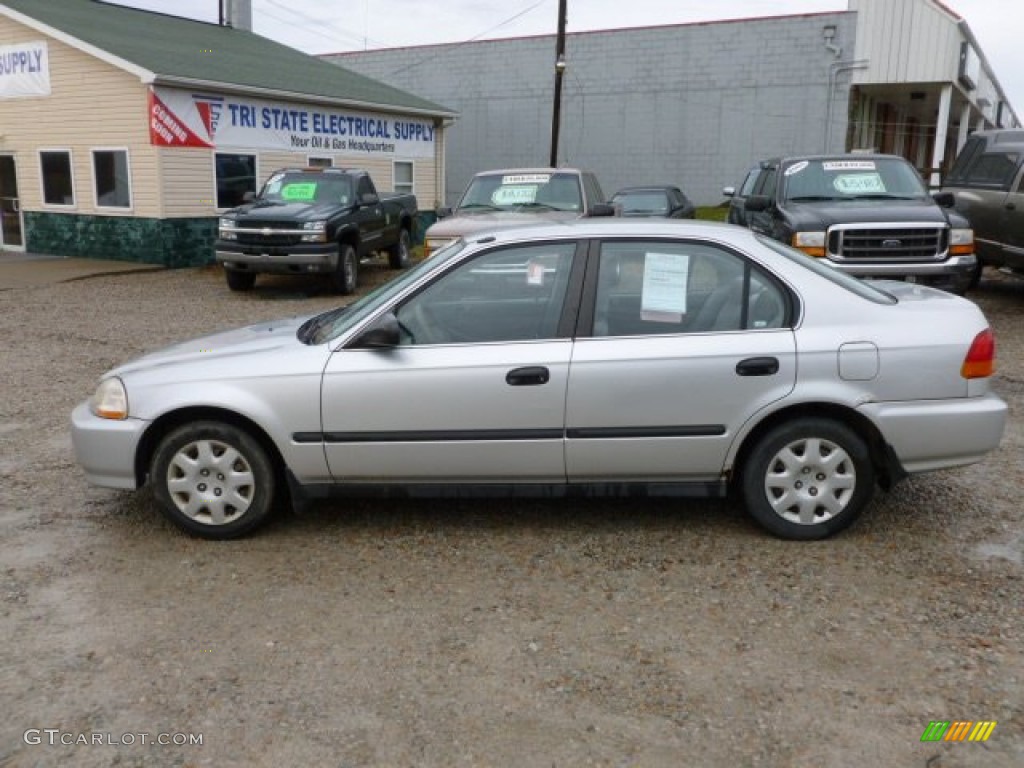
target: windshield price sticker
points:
(663, 297)
(527, 178)
(849, 165)
(514, 195)
(859, 184)
(302, 191)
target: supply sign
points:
(24, 70)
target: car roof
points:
(605, 227)
(649, 188)
(1003, 137)
(839, 156)
(499, 171)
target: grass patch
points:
(712, 212)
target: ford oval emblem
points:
(892, 243)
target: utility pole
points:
(556, 112)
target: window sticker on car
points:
(859, 184)
(663, 297)
(849, 165)
(514, 195)
(534, 273)
(795, 168)
(527, 178)
(301, 191)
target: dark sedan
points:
(666, 202)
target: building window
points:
(112, 177)
(320, 162)
(58, 181)
(236, 175)
(403, 177)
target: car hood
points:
(826, 214)
(290, 212)
(226, 346)
(457, 226)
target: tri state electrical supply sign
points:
(182, 119)
(24, 70)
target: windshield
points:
(334, 322)
(307, 188)
(885, 178)
(522, 191)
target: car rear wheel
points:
(213, 480)
(346, 276)
(398, 254)
(240, 281)
(808, 479)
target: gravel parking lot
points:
(521, 633)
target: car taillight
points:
(981, 357)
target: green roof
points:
(197, 53)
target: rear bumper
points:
(313, 257)
(938, 434)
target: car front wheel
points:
(213, 480)
(808, 479)
(398, 255)
(240, 281)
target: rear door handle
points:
(758, 366)
(530, 376)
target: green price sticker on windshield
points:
(304, 191)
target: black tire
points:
(208, 470)
(975, 276)
(240, 281)
(808, 479)
(346, 276)
(398, 254)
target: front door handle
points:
(758, 366)
(530, 376)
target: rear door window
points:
(993, 170)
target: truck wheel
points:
(240, 281)
(346, 276)
(398, 254)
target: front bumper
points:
(950, 268)
(305, 258)
(937, 434)
(106, 448)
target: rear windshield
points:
(853, 284)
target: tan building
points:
(123, 132)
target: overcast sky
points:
(330, 26)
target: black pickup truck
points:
(314, 220)
(868, 215)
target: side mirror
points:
(757, 203)
(249, 197)
(944, 199)
(729, 191)
(369, 198)
(444, 212)
(385, 333)
(602, 209)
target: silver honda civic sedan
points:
(598, 357)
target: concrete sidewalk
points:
(31, 270)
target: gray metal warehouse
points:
(697, 104)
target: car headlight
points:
(319, 230)
(227, 227)
(811, 243)
(110, 400)
(434, 244)
(961, 242)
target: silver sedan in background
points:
(597, 357)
